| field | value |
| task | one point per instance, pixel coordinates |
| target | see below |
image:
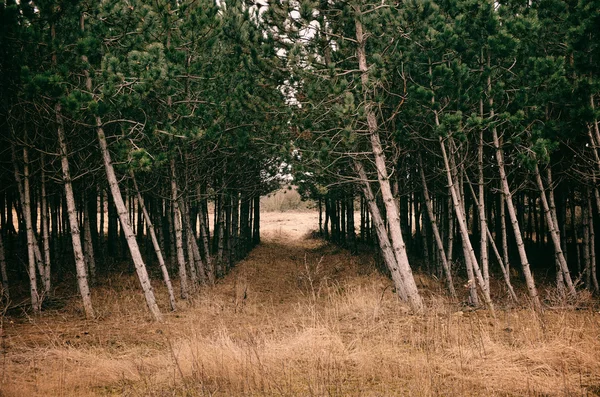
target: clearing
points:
(297, 317)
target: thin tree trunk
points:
(199, 273)
(532, 290)
(504, 234)
(256, 228)
(482, 216)
(204, 235)
(350, 228)
(82, 276)
(157, 250)
(44, 225)
(183, 279)
(88, 245)
(23, 186)
(134, 249)
(235, 224)
(592, 245)
(587, 263)
(219, 234)
(436, 232)
(464, 232)
(552, 221)
(450, 212)
(495, 250)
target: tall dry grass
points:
(298, 317)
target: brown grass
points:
(298, 317)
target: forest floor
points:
(298, 317)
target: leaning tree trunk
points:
(503, 266)
(384, 242)
(134, 249)
(194, 254)
(436, 232)
(532, 290)
(156, 245)
(552, 221)
(464, 232)
(393, 216)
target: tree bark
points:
(393, 217)
(552, 221)
(134, 249)
(44, 226)
(592, 246)
(464, 232)
(183, 279)
(503, 267)
(36, 303)
(88, 245)
(80, 266)
(483, 242)
(156, 245)
(531, 288)
(384, 243)
(436, 232)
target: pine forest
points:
(299, 197)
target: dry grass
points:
(298, 317)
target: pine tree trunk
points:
(191, 262)
(235, 224)
(321, 217)
(23, 187)
(594, 281)
(532, 290)
(219, 235)
(82, 275)
(552, 221)
(587, 263)
(393, 216)
(450, 212)
(495, 250)
(504, 235)
(134, 249)
(183, 279)
(44, 226)
(473, 270)
(156, 245)
(204, 235)
(482, 216)
(199, 272)
(384, 243)
(256, 228)
(436, 232)
(350, 232)
(88, 245)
